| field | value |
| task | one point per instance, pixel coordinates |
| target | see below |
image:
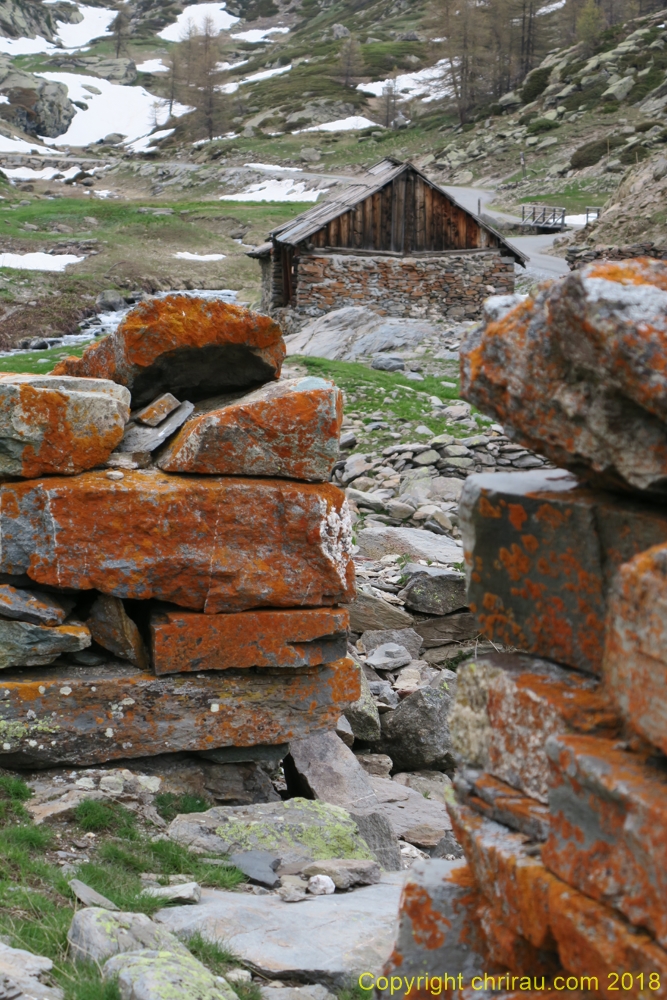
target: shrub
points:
(591, 153)
(95, 816)
(539, 125)
(633, 154)
(536, 84)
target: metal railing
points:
(543, 215)
(592, 212)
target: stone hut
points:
(395, 242)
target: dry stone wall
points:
(451, 284)
(560, 799)
(142, 540)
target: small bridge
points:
(545, 218)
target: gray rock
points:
(368, 612)
(163, 975)
(620, 90)
(388, 363)
(469, 724)
(259, 866)
(138, 437)
(324, 767)
(314, 992)
(34, 606)
(328, 770)
(414, 818)
(384, 693)
(326, 940)
(383, 540)
(89, 897)
(340, 31)
(347, 440)
(448, 847)
(186, 892)
(388, 656)
(435, 592)
(447, 629)
(431, 785)
(113, 629)
(21, 974)
(344, 731)
(40, 107)
(416, 734)
(96, 935)
(375, 763)
(346, 872)
(352, 332)
(26, 645)
(362, 715)
(297, 830)
(406, 637)
(110, 300)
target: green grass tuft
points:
(94, 816)
(169, 805)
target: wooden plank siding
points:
(406, 216)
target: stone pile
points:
(173, 557)
(560, 800)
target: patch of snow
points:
(96, 23)
(351, 124)
(577, 220)
(25, 46)
(551, 7)
(196, 13)
(430, 84)
(143, 144)
(46, 174)
(265, 74)
(227, 65)
(256, 35)
(285, 189)
(270, 167)
(118, 108)
(185, 255)
(39, 261)
(4, 99)
(17, 145)
(104, 193)
(153, 66)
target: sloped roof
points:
(382, 173)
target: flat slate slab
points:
(326, 939)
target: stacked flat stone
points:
(560, 804)
(173, 560)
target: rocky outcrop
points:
(37, 106)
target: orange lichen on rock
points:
(635, 660)
(60, 715)
(542, 586)
(185, 641)
(608, 834)
(514, 881)
(578, 371)
(598, 945)
(438, 930)
(203, 542)
(58, 425)
(513, 952)
(288, 428)
(192, 347)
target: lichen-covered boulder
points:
(289, 428)
(194, 348)
(297, 830)
(203, 542)
(95, 935)
(58, 424)
(163, 975)
(578, 372)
